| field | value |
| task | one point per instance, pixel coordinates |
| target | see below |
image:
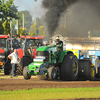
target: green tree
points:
(1, 28)
(7, 10)
(22, 32)
(37, 29)
(13, 23)
(42, 31)
(27, 19)
(38, 22)
(32, 31)
(6, 26)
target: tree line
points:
(9, 13)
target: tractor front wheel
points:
(25, 73)
(25, 61)
(51, 73)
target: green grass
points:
(50, 93)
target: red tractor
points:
(29, 44)
(4, 52)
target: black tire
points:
(51, 73)
(99, 72)
(19, 70)
(42, 77)
(6, 71)
(25, 61)
(7, 67)
(25, 73)
(69, 68)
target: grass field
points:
(50, 93)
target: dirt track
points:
(18, 84)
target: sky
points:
(35, 8)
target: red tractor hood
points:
(2, 51)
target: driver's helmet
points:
(57, 40)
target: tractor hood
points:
(45, 48)
(2, 56)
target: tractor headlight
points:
(42, 57)
(38, 60)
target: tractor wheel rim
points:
(75, 68)
(54, 74)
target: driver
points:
(59, 45)
(34, 45)
(39, 44)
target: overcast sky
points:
(30, 6)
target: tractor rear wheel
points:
(6, 71)
(69, 68)
(25, 73)
(42, 77)
(51, 73)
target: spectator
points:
(59, 45)
(14, 61)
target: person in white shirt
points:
(14, 61)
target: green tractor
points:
(65, 65)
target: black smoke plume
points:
(81, 16)
(55, 9)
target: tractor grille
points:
(43, 53)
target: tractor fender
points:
(20, 53)
(63, 53)
(69, 52)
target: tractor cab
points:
(4, 42)
(29, 44)
(27, 52)
(4, 52)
